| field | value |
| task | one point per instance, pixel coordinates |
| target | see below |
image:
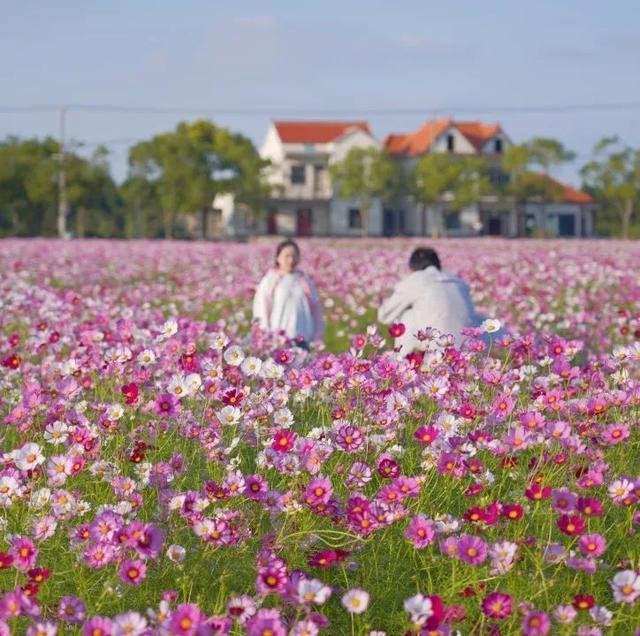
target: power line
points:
(295, 111)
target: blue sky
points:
(434, 57)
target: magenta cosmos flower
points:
(497, 605)
(571, 525)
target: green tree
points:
(447, 180)
(141, 205)
(189, 166)
(529, 167)
(92, 195)
(28, 186)
(613, 175)
(29, 171)
(366, 174)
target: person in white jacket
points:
(287, 300)
(429, 297)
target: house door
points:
(566, 225)
(494, 227)
(303, 222)
(272, 222)
(388, 223)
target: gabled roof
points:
(477, 133)
(316, 132)
(569, 194)
(420, 142)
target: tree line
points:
(180, 172)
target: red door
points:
(272, 222)
(304, 222)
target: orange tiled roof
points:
(419, 142)
(569, 193)
(478, 134)
(316, 132)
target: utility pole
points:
(62, 184)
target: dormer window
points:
(498, 146)
(450, 143)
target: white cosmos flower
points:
(8, 487)
(218, 341)
(193, 382)
(178, 387)
(40, 498)
(146, 357)
(229, 415)
(355, 601)
(313, 591)
(169, 329)
(56, 432)
(115, 412)
(626, 586)
(272, 370)
(234, 356)
(491, 325)
(251, 366)
(176, 553)
(28, 457)
(419, 608)
(69, 367)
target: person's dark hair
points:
(422, 258)
(287, 243)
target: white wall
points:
(461, 144)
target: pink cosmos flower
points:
(592, 544)
(98, 626)
(564, 501)
(186, 619)
(72, 610)
(349, 438)
(24, 553)
(471, 549)
(318, 491)
(420, 532)
(266, 622)
(536, 624)
(132, 572)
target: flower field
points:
(166, 468)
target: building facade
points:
(304, 202)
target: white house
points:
(303, 201)
(492, 215)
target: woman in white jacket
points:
(429, 297)
(287, 300)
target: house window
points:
(450, 143)
(355, 219)
(452, 221)
(298, 174)
(498, 146)
(498, 176)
